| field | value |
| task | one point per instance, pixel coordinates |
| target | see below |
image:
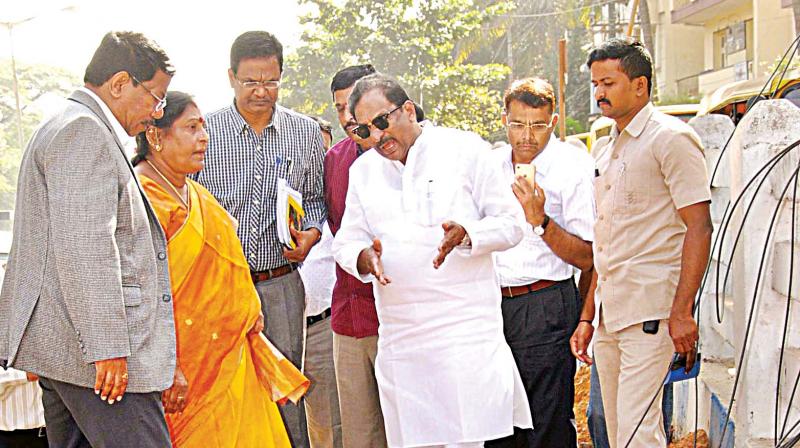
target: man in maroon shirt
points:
(354, 320)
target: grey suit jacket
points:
(87, 276)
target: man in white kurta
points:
(424, 213)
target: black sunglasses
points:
(381, 122)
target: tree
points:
(527, 40)
(35, 83)
(649, 42)
(410, 40)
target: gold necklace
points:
(174, 189)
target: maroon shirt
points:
(353, 305)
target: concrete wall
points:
(677, 54)
(766, 130)
(774, 31)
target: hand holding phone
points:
(526, 170)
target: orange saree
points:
(234, 378)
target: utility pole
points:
(510, 50)
(562, 89)
(632, 22)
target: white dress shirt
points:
(319, 274)
(565, 173)
(20, 401)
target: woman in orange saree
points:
(229, 375)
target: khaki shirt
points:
(655, 167)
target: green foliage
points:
(414, 41)
(667, 100)
(534, 28)
(34, 82)
(575, 127)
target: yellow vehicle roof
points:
(740, 91)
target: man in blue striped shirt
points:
(253, 143)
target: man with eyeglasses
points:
(541, 304)
(86, 304)
(253, 143)
(424, 211)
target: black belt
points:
(311, 320)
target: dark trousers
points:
(77, 418)
(537, 327)
(23, 438)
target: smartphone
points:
(526, 170)
(650, 327)
(677, 370)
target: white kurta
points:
(445, 373)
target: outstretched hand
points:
(369, 262)
(453, 235)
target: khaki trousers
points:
(359, 403)
(632, 365)
(322, 399)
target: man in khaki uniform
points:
(652, 241)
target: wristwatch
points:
(539, 230)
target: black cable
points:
(726, 220)
(786, 324)
(796, 424)
(789, 408)
(756, 288)
(794, 43)
(653, 400)
(785, 69)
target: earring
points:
(158, 148)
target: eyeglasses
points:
(162, 102)
(536, 128)
(252, 85)
(381, 122)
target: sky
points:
(196, 35)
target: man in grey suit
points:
(86, 302)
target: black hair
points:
(177, 102)
(255, 44)
(346, 77)
(389, 87)
(419, 112)
(125, 51)
(634, 59)
(324, 125)
(533, 92)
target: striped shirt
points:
(242, 169)
(20, 402)
(565, 173)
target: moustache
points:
(603, 100)
(384, 140)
